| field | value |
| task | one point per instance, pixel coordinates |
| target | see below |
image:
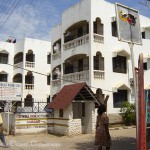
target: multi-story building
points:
(85, 48)
(28, 62)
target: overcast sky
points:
(34, 18)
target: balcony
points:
(56, 56)
(98, 38)
(29, 64)
(77, 76)
(29, 86)
(18, 65)
(56, 82)
(76, 42)
(99, 74)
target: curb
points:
(124, 127)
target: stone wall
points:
(115, 118)
(75, 127)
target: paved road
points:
(123, 139)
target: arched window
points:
(29, 78)
(3, 76)
(30, 56)
(18, 58)
(98, 26)
(17, 78)
(56, 73)
(28, 102)
(3, 57)
(76, 30)
(98, 61)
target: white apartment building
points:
(28, 62)
(85, 48)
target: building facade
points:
(85, 48)
(28, 62)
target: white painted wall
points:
(89, 10)
(41, 49)
(72, 123)
(9, 47)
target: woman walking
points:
(102, 137)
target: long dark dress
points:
(101, 137)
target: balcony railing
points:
(18, 65)
(56, 82)
(29, 64)
(29, 86)
(98, 38)
(99, 74)
(77, 76)
(76, 42)
(56, 56)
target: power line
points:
(51, 76)
(3, 6)
(22, 16)
(27, 69)
(35, 71)
(89, 86)
(10, 11)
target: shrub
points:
(128, 113)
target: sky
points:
(35, 18)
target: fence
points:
(33, 107)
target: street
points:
(122, 139)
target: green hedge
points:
(128, 113)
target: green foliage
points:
(128, 113)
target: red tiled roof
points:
(66, 95)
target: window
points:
(49, 59)
(3, 58)
(95, 27)
(18, 103)
(48, 80)
(3, 77)
(80, 65)
(29, 78)
(98, 26)
(48, 99)
(119, 98)
(30, 56)
(96, 63)
(61, 113)
(18, 58)
(80, 32)
(143, 35)
(114, 29)
(68, 67)
(17, 78)
(145, 66)
(28, 101)
(119, 64)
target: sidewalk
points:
(122, 139)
